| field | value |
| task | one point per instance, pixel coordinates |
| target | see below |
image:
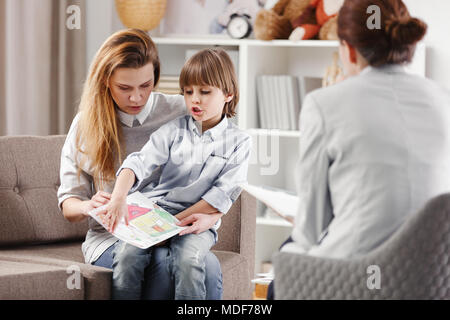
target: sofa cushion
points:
(54, 253)
(19, 280)
(97, 280)
(29, 179)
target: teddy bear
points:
(276, 22)
(298, 20)
(319, 18)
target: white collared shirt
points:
(128, 119)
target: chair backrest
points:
(414, 263)
(29, 180)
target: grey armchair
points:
(414, 263)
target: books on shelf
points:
(293, 101)
(308, 84)
(279, 99)
(262, 98)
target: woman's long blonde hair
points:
(99, 135)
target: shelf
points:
(226, 41)
(197, 41)
(277, 222)
(275, 132)
(289, 43)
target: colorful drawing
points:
(148, 223)
(154, 224)
(135, 211)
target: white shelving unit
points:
(275, 152)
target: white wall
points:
(436, 14)
(101, 22)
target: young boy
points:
(203, 157)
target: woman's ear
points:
(350, 52)
(349, 58)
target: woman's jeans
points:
(158, 282)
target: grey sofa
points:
(414, 263)
(40, 252)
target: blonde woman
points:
(118, 113)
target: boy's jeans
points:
(188, 264)
(188, 267)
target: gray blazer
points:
(373, 150)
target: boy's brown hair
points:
(212, 67)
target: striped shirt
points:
(196, 165)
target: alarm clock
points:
(239, 26)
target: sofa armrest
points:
(248, 229)
(237, 237)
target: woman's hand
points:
(116, 209)
(200, 222)
(99, 199)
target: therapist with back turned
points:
(375, 147)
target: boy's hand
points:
(200, 222)
(114, 212)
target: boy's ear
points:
(229, 97)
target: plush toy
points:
(329, 30)
(276, 22)
(319, 18)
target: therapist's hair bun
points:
(393, 42)
(405, 32)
